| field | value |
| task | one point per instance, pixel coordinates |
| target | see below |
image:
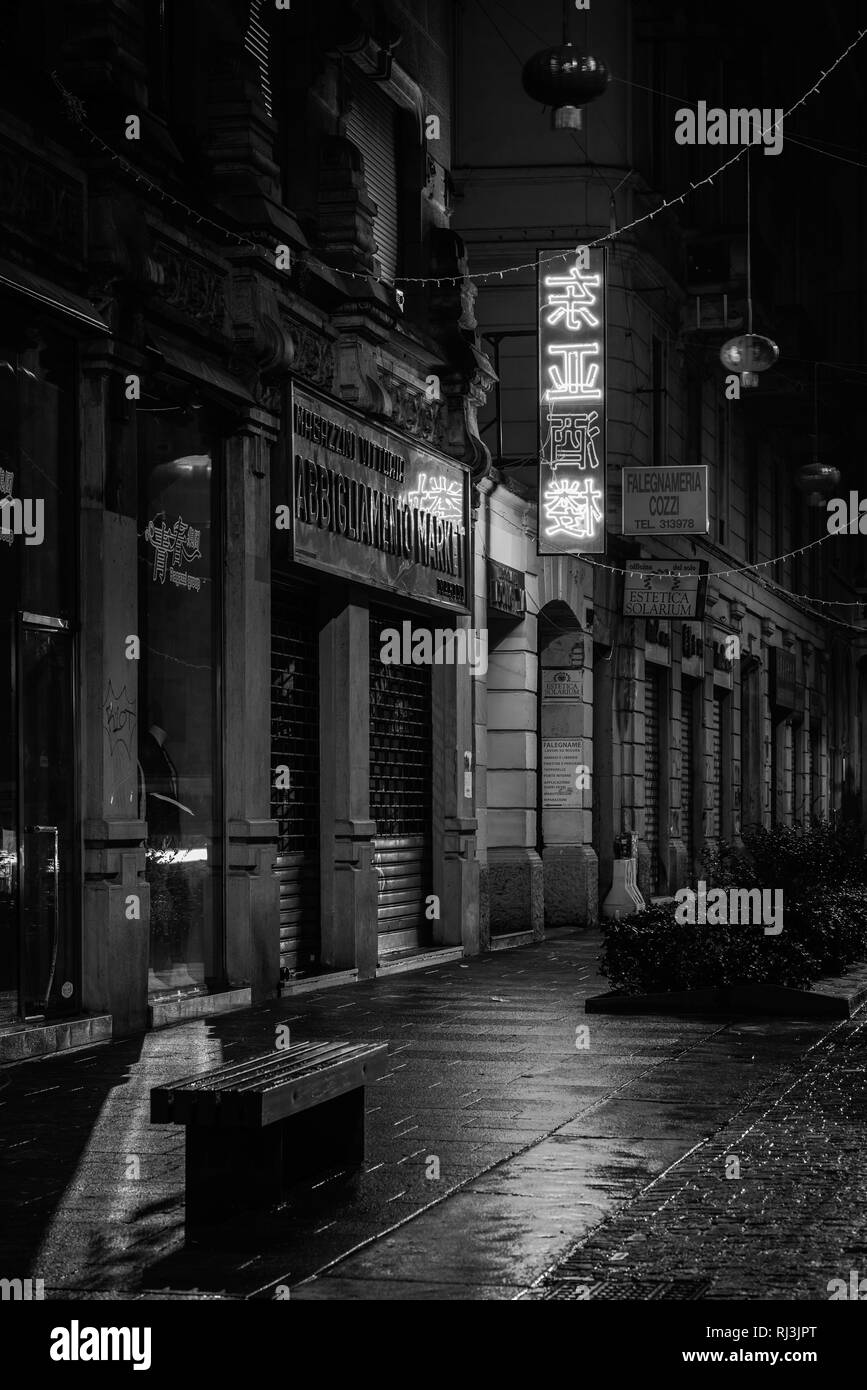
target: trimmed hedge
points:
(822, 872)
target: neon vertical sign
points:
(572, 402)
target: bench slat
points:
(229, 1070)
(263, 1090)
(186, 1100)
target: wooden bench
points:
(256, 1129)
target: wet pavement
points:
(497, 1144)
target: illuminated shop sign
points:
(572, 402)
(362, 502)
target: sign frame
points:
(372, 568)
(630, 525)
(700, 567)
(552, 765)
(496, 574)
(548, 263)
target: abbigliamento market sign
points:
(364, 503)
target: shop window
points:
(179, 746)
(38, 847)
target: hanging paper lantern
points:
(565, 80)
(818, 481)
(748, 354)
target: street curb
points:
(775, 1000)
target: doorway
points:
(39, 975)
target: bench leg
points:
(330, 1135)
(230, 1171)
(233, 1171)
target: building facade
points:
(253, 457)
(593, 725)
(271, 461)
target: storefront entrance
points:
(400, 792)
(653, 701)
(179, 746)
(39, 855)
(295, 772)
(38, 940)
(689, 698)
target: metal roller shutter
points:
(715, 827)
(371, 126)
(652, 760)
(807, 787)
(687, 762)
(789, 770)
(258, 43)
(813, 784)
(295, 744)
(400, 792)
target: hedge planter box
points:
(773, 1000)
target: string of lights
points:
(77, 113)
(638, 573)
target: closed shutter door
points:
(807, 789)
(716, 749)
(400, 792)
(789, 745)
(798, 780)
(687, 760)
(652, 760)
(371, 126)
(295, 761)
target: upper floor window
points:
(371, 125)
(257, 42)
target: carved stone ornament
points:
(314, 357)
(187, 285)
(413, 412)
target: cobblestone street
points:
(773, 1205)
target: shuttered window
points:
(687, 762)
(257, 43)
(652, 760)
(715, 827)
(371, 125)
(813, 779)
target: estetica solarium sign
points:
(572, 402)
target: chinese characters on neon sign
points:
(572, 402)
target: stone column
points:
(455, 867)
(514, 866)
(479, 694)
(116, 923)
(348, 876)
(252, 925)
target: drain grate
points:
(567, 1285)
